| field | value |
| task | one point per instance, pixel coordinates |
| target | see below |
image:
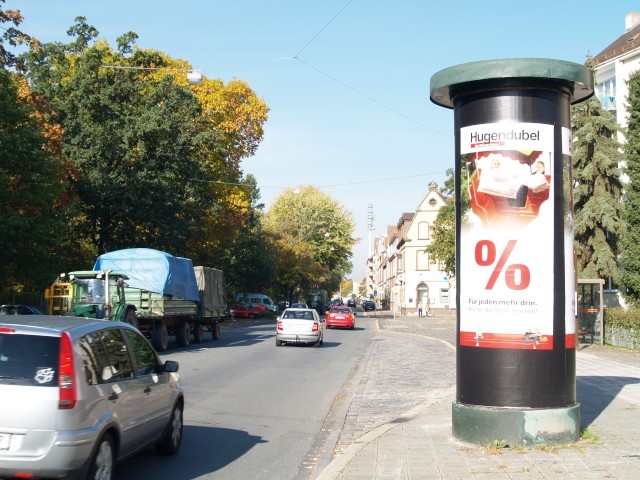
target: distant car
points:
(336, 302)
(246, 311)
(341, 317)
(85, 394)
(368, 305)
(20, 310)
(351, 303)
(299, 305)
(300, 325)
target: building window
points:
(422, 260)
(606, 92)
(423, 231)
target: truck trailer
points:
(158, 293)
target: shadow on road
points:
(204, 450)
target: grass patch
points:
(588, 435)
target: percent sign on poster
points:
(517, 276)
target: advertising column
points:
(515, 271)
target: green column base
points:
(516, 426)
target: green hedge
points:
(622, 327)
(622, 317)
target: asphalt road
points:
(253, 410)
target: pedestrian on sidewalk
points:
(420, 308)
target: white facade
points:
(400, 272)
(614, 65)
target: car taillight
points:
(315, 327)
(7, 330)
(66, 374)
(279, 325)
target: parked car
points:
(300, 325)
(341, 317)
(351, 303)
(299, 305)
(259, 300)
(368, 305)
(246, 311)
(85, 394)
(20, 310)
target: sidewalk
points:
(397, 423)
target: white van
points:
(257, 300)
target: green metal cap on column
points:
(511, 72)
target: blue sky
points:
(347, 81)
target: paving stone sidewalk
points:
(397, 421)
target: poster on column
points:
(506, 236)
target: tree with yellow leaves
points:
(155, 160)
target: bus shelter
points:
(590, 309)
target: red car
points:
(245, 311)
(339, 316)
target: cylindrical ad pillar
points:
(515, 270)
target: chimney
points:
(631, 20)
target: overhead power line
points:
(322, 29)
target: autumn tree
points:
(597, 190)
(31, 182)
(12, 36)
(247, 259)
(30, 185)
(313, 237)
(153, 164)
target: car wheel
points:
(318, 343)
(215, 331)
(278, 343)
(252, 316)
(198, 333)
(183, 333)
(103, 460)
(160, 337)
(170, 442)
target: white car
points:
(300, 325)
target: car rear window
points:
(29, 360)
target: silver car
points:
(300, 325)
(79, 395)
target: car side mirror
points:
(170, 366)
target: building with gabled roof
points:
(613, 67)
(400, 272)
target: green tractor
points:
(91, 294)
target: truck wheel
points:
(131, 318)
(183, 333)
(198, 333)
(215, 331)
(160, 337)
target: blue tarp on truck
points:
(154, 271)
